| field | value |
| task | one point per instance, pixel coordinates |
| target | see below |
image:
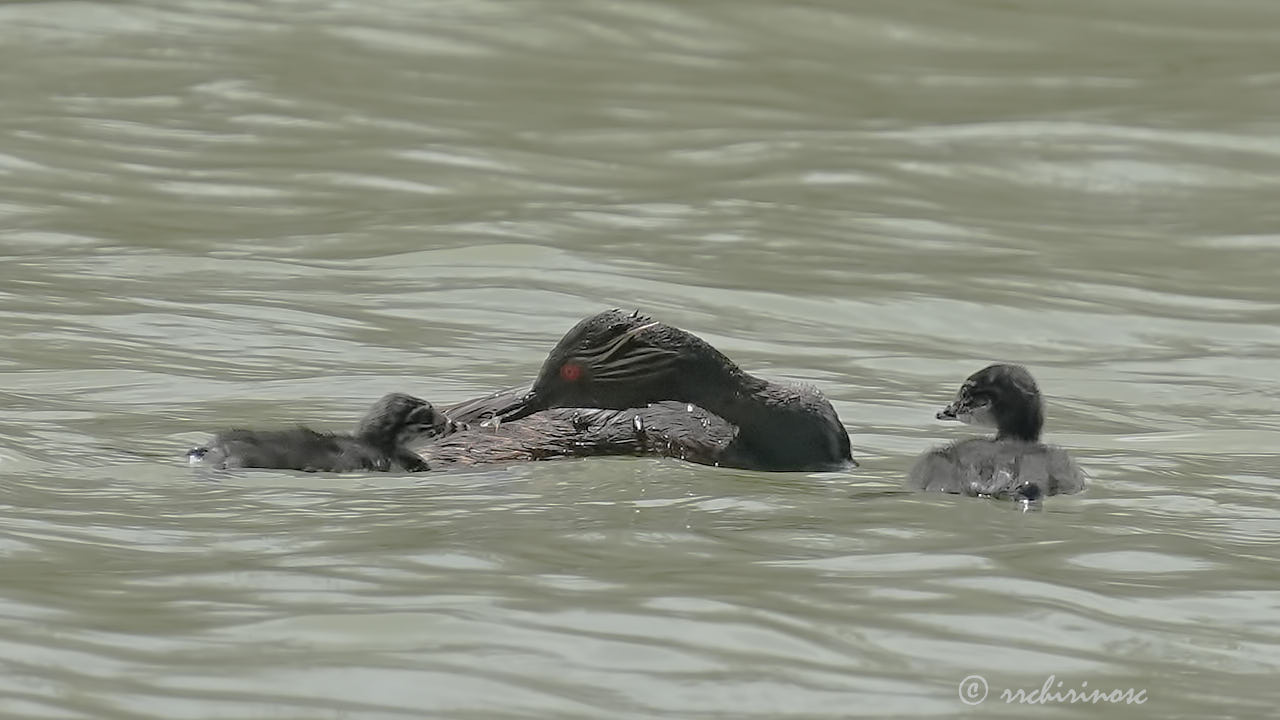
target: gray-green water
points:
(221, 213)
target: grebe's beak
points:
(524, 406)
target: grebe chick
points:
(1013, 464)
(378, 443)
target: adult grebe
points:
(667, 383)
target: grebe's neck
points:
(780, 425)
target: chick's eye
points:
(571, 372)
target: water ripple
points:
(223, 213)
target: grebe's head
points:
(397, 418)
(621, 360)
(1004, 397)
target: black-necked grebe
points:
(378, 443)
(1013, 464)
(659, 374)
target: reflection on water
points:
(232, 213)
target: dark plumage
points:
(620, 361)
(378, 443)
(1013, 464)
(665, 429)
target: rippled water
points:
(221, 213)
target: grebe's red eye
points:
(571, 372)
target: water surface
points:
(222, 213)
